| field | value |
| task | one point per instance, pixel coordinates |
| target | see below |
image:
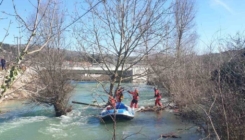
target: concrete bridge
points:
(137, 72)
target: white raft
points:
(121, 112)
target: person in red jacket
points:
(119, 94)
(134, 102)
(111, 102)
(158, 97)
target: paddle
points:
(76, 102)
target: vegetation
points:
(208, 89)
(52, 84)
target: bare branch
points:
(6, 34)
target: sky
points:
(214, 19)
(218, 19)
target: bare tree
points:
(6, 34)
(208, 90)
(184, 15)
(52, 83)
(170, 64)
(52, 86)
(117, 29)
(39, 30)
(32, 32)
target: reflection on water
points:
(31, 122)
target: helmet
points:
(136, 90)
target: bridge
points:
(137, 72)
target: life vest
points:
(119, 95)
(157, 94)
(136, 96)
(112, 101)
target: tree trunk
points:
(59, 109)
(113, 80)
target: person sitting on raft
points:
(119, 94)
(111, 103)
(134, 102)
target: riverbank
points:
(17, 90)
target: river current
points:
(23, 121)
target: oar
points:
(76, 102)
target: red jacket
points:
(119, 95)
(135, 94)
(157, 94)
(112, 101)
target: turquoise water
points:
(31, 122)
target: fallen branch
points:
(170, 135)
(76, 102)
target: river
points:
(23, 121)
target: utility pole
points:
(17, 46)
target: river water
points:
(23, 121)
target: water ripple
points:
(18, 122)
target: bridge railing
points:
(138, 72)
